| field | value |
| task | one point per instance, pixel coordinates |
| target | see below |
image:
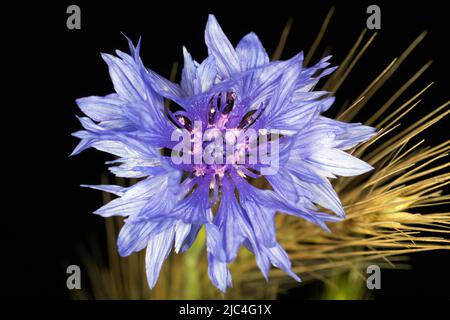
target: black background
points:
(49, 214)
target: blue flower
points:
(235, 90)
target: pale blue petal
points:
(220, 47)
(339, 163)
(135, 235)
(126, 78)
(182, 232)
(148, 192)
(117, 190)
(189, 73)
(279, 258)
(195, 208)
(219, 274)
(158, 250)
(102, 108)
(233, 227)
(206, 75)
(251, 52)
(214, 242)
(163, 86)
(323, 194)
(191, 237)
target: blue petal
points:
(280, 259)
(339, 163)
(283, 94)
(189, 73)
(251, 52)
(323, 194)
(220, 47)
(135, 235)
(158, 250)
(195, 208)
(136, 167)
(348, 135)
(262, 220)
(268, 80)
(229, 219)
(217, 261)
(126, 78)
(219, 274)
(260, 213)
(182, 232)
(134, 50)
(191, 237)
(154, 126)
(163, 86)
(282, 183)
(149, 193)
(267, 255)
(214, 244)
(117, 190)
(206, 75)
(102, 108)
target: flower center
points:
(221, 139)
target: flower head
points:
(235, 118)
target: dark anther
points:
(248, 120)
(185, 122)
